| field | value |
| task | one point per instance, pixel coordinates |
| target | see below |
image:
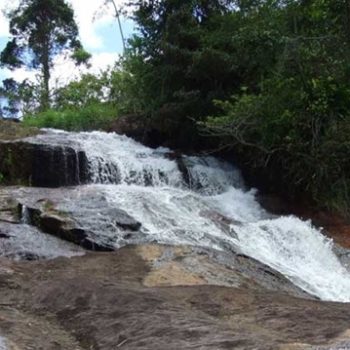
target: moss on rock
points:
(10, 131)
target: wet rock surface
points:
(83, 217)
(25, 242)
(26, 163)
(157, 297)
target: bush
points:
(298, 137)
(91, 117)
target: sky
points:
(99, 35)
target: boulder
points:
(44, 216)
(124, 220)
(97, 227)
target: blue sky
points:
(99, 34)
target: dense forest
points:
(265, 82)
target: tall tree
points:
(40, 30)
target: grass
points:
(92, 117)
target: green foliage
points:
(41, 29)
(89, 89)
(90, 117)
(80, 56)
(17, 96)
(176, 68)
(286, 64)
(294, 123)
(273, 76)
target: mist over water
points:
(202, 201)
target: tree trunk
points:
(45, 93)
(347, 2)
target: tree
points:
(183, 57)
(40, 30)
(273, 75)
(16, 97)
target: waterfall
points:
(203, 202)
(25, 217)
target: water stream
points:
(203, 201)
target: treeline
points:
(266, 80)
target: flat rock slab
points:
(80, 215)
(24, 242)
(145, 297)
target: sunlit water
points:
(206, 204)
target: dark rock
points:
(4, 235)
(12, 120)
(273, 204)
(29, 256)
(55, 224)
(139, 128)
(124, 220)
(178, 158)
(42, 165)
(92, 228)
(62, 226)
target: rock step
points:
(42, 165)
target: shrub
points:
(90, 117)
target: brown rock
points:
(100, 301)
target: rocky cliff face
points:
(41, 165)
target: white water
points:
(213, 210)
(3, 342)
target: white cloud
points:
(92, 15)
(4, 30)
(65, 70)
(22, 74)
(85, 12)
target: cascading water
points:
(3, 345)
(203, 202)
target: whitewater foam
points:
(149, 185)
